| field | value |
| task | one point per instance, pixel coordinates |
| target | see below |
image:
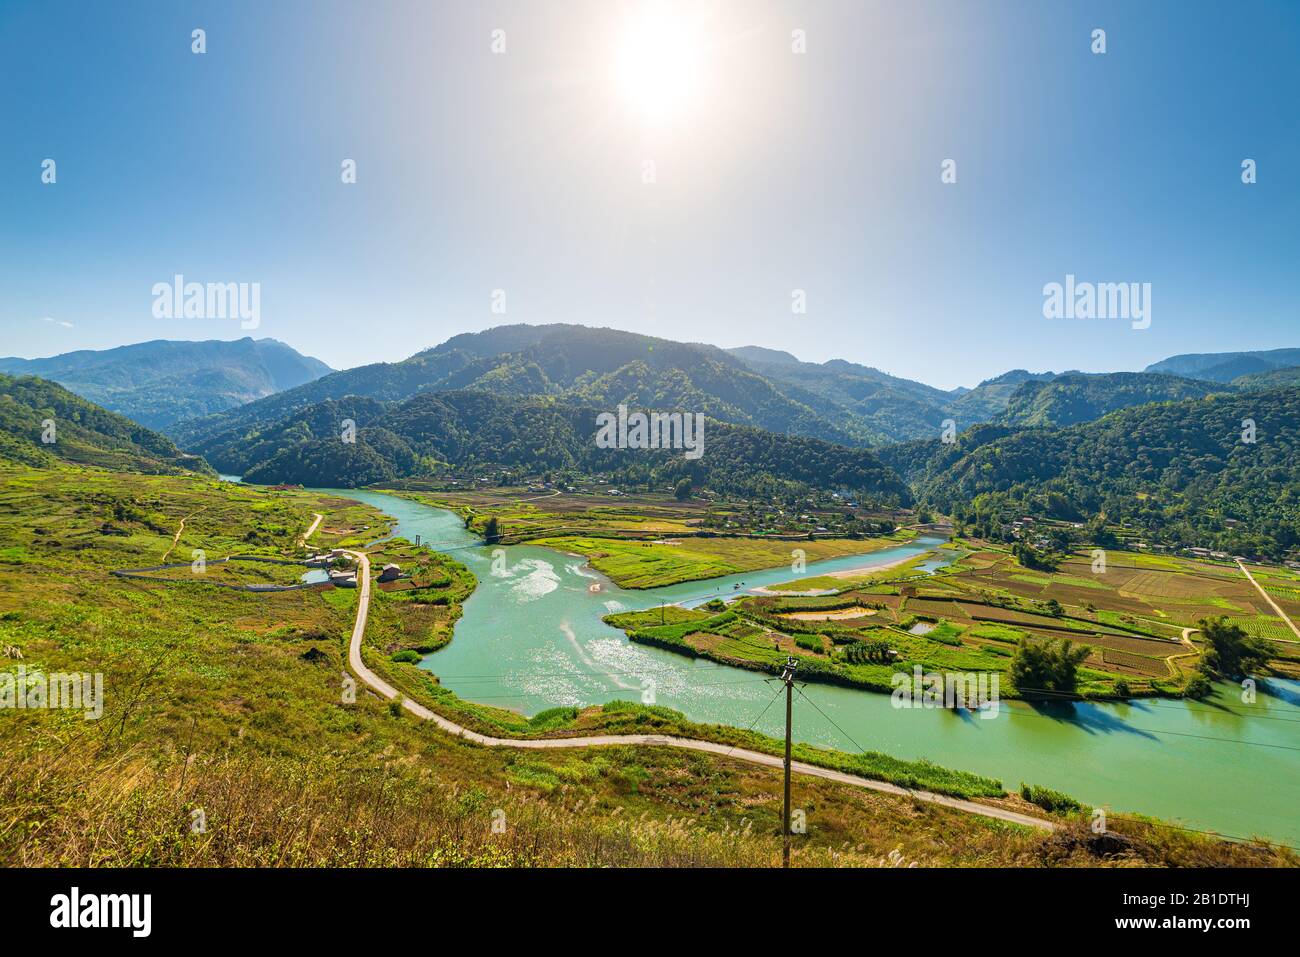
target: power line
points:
(702, 684)
(756, 720)
(861, 749)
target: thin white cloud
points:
(57, 322)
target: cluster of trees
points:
(1230, 653)
(1030, 557)
(1047, 669)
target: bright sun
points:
(658, 63)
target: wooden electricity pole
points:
(787, 675)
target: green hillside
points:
(1177, 472)
(33, 410)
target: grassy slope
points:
(230, 704)
(42, 422)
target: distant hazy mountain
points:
(1081, 397)
(160, 382)
(760, 354)
(433, 432)
(1226, 366)
(33, 410)
(889, 408)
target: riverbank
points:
(532, 640)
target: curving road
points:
(311, 529)
(387, 691)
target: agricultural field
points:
(649, 564)
(526, 515)
(642, 541)
(972, 614)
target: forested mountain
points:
(42, 423)
(593, 367)
(1180, 472)
(1226, 366)
(1273, 379)
(1074, 397)
(990, 398)
(159, 382)
(472, 432)
(837, 401)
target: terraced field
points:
(971, 616)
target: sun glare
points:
(658, 63)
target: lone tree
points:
(683, 490)
(1045, 668)
(1230, 652)
(492, 530)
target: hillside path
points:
(311, 529)
(177, 537)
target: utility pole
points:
(787, 675)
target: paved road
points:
(604, 740)
(1269, 598)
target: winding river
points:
(532, 638)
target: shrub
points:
(407, 656)
(1198, 686)
(1048, 799)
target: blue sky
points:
(773, 171)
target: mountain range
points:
(836, 401)
(160, 382)
(1159, 449)
(1220, 471)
